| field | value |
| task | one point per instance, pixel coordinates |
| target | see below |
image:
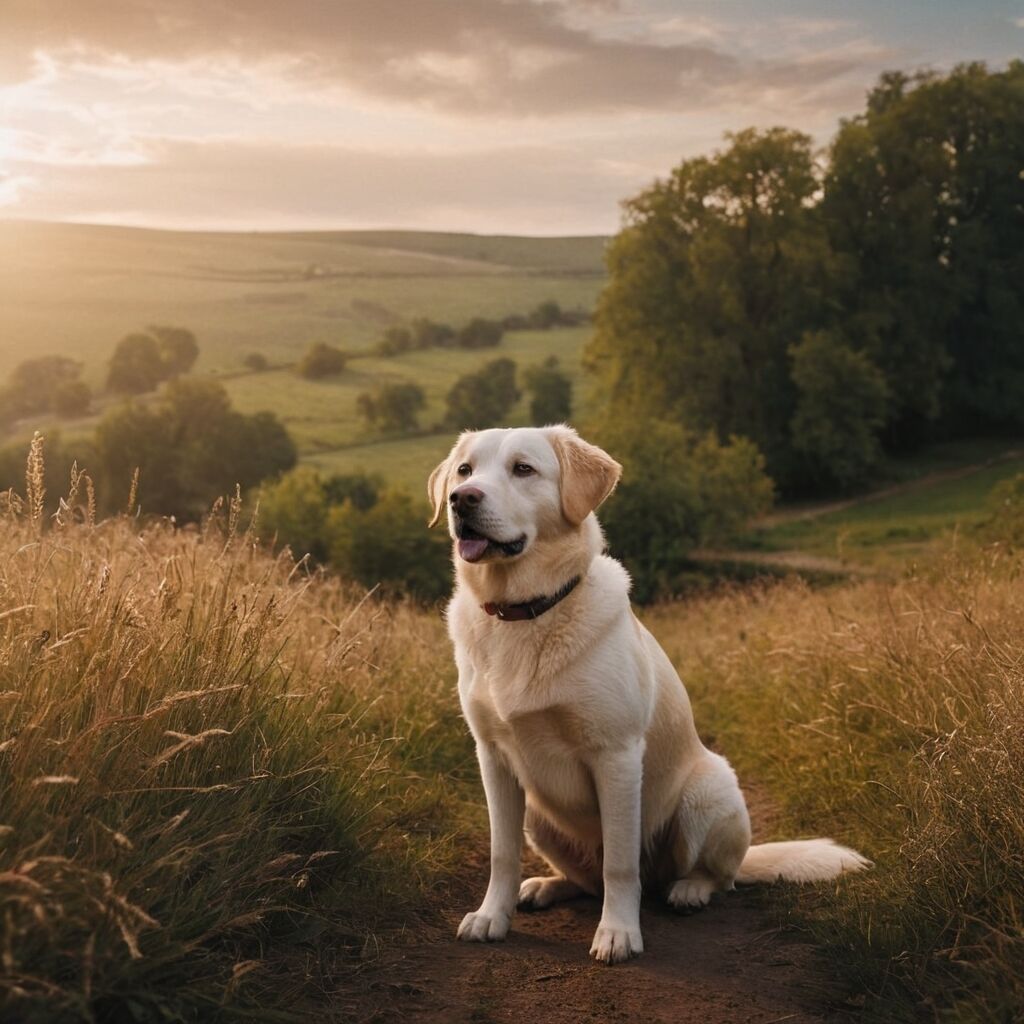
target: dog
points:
(583, 729)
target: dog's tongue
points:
(473, 550)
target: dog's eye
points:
(522, 469)
(465, 469)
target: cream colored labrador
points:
(583, 728)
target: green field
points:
(898, 525)
(75, 290)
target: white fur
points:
(583, 729)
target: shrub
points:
(480, 333)
(551, 393)
(136, 365)
(1006, 512)
(395, 341)
(256, 361)
(33, 385)
(392, 407)
(483, 399)
(546, 315)
(322, 360)
(678, 492)
(71, 398)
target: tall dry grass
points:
(892, 717)
(219, 776)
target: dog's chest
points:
(544, 744)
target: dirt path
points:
(725, 965)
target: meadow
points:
(227, 782)
(76, 290)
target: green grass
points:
(77, 289)
(896, 529)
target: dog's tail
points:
(802, 860)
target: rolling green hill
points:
(76, 290)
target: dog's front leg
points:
(505, 806)
(617, 776)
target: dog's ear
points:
(437, 484)
(437, 488)
(589, 474)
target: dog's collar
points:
(530, 609)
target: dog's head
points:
(504, 490)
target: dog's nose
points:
(465, 498)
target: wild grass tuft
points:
(891, 717)
(219, 775)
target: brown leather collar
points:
(530, 609)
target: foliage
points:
(189, 448)
(222, 779)
(840, 410)
(678, 491)
(320, 361)
(39, 385)
(1005, 521)
(388, 545)
(550, 393)
(178, 349)
(480, 333)
(393, 408)
(922, 204)
(483, 399)
(136, 365)
(256, 361)
(374, 536)
(717, 271)
(892, 714)
(71, 398)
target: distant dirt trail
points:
(725, 965)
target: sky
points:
(493, 116)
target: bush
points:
(678, 492)
(136, 365)
(189, 449)
(178, 349)
(71, 398)
(320, 361)
(392, 407)
(256, 361)
(480, 333)
(395, 341)
(388, 545)
(33, 385)
(546, 315)
(483, 399)
(551, 392)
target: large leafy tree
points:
(717, 272)
(924, 207)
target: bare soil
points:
(728, 964)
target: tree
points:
(189, 448)
(71, 398)
(545, 315)
(483, 399)
(922, 207)
(293, 510)
(716, 272)
(480, 333)
(551, 392)
(678, 491)
(392, 407)
(427, 334)
(256, 361)
(34, 383)
(178, 349)
(395, 341)
(322, 360)
(840, 410)
(136, 365)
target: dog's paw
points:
(691, 893)
(484, 927)
(538, 893)
(614, 944)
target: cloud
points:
(226, 183)
(477, 57)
